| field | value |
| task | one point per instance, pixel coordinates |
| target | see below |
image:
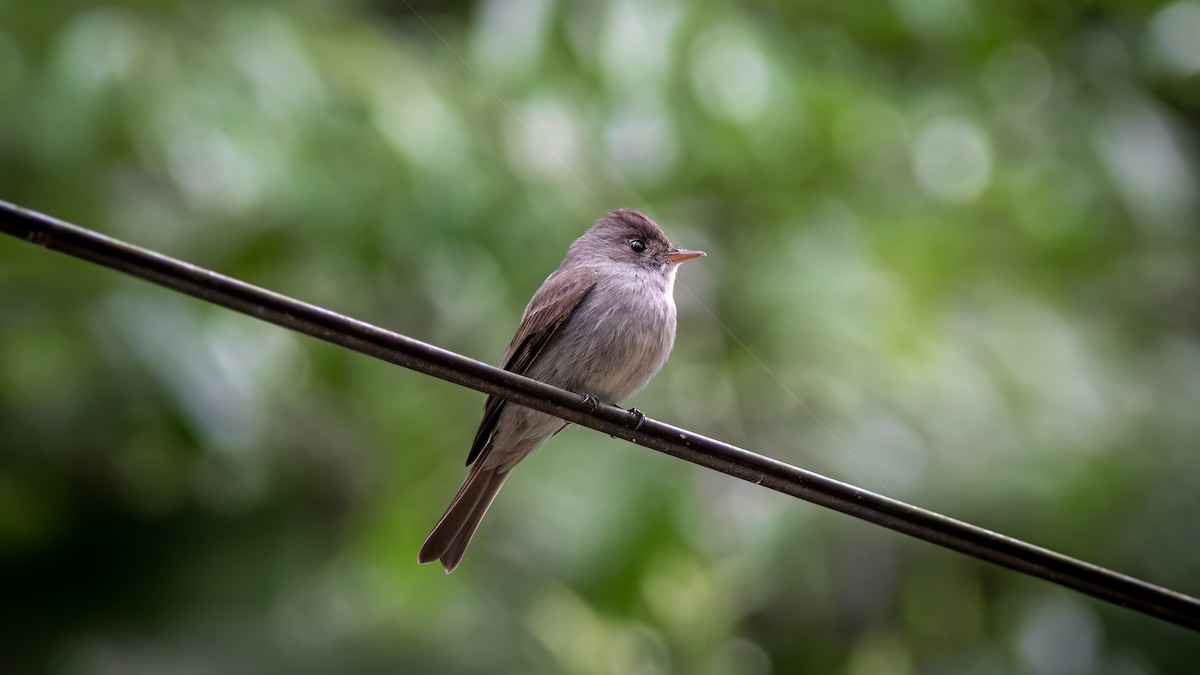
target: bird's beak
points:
(678, 255)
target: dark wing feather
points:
(550, 308)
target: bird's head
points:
(629, 237)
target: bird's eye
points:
(637, 245)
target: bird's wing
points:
(551, 307)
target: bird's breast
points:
(618, 338)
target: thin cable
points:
(786, 388)
(1098, 582)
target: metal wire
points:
(323, 324)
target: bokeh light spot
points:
(1059, 636)
(730, 74)
(1017, 76)
(640, 141)
(544, 141)
(1176, 34)
(953, 160)
(509, 36)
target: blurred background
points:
(954, 257)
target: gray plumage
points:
(602, 324)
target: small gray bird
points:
(601, 325)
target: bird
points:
(601, 325)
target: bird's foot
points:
(592, 402)
(641, 417)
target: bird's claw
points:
(641, 417)
(592, 402)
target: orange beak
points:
(678, 255)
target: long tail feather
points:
(449, 538)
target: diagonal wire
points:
(1098, 582)
(787, 389)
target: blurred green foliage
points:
(953, 258)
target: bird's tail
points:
(449, 538)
